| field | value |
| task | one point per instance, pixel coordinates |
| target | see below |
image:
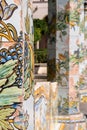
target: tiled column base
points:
(72, 122)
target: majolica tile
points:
(42, 105)
(68, 46)
(71, 57)
(16, 65)
(16, 20)
(11, 19)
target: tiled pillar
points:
(67, 61)
(16, 65)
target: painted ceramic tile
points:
(42, 108)
(11, 17)
(53, 99)
(70, 122)
(28, 84)
(71, 126)
(28, 20)
(17, 17)
(28, 63)
(16, 64)
(67, 54)
(11, 92)
(53, 103)
(63, 102)
(46, 102)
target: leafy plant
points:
(41, 56)
(40, 26)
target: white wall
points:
(42, 9)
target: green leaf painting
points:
(2, 82)
(7, 69)
(4, 114)
(14, 96)
(7, 74)
(11, 80)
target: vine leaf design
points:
(4, 114)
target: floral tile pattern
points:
(70, 53)
(46, 97)
(16, 65)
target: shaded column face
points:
(51, 64)
(16, 64)
(83, 64)
(67, 55)
(62, 58)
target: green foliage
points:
(40, 27)
(37, 34)
(41, 56)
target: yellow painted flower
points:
(62, 57)
(72, 24)
(72, 103)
